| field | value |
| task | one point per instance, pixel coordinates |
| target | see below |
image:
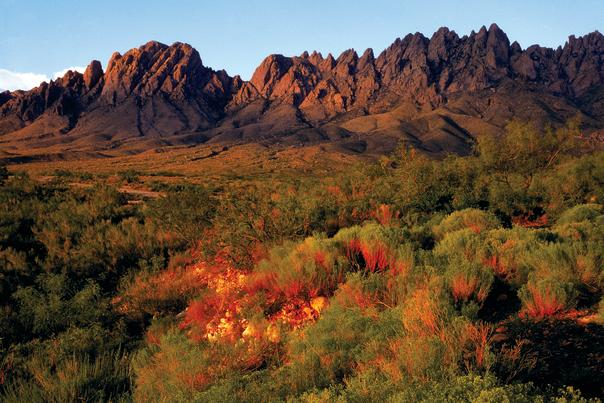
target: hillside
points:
(438, 94)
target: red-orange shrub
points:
(385, 215)
(543, 299)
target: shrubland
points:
(473, 278)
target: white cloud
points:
(13, 80)
(61, 73)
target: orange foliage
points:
(475, 228)
(321, 259)
(259, 224)
(275, 213)
(353, 295)
(527, 221)
(217, 316)
(200, 313)
(543, 303)
(359, 215)
(195, 381)
(422, 314)
(504, 267)
(164, 286)
(464, 287)
(376, 254)
(336, 191)
(478, 337)
(495, 263)
(384, 214)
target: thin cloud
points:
(14, 80)
(61, 73)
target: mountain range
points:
(437, 94)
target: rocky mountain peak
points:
(93, 73)
(176, 70)
(269, 72)
(160, 91)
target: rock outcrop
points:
(159, 94)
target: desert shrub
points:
(511, 162)
(64, 251)
(475, 388)
(434, 343)
(175, 369)
(503, 251)
(130, 176)
(575, 182)
(309, 269)
(464, 388)
(72, 175)
(427, 310)
(367, 385)
(166, 173)
(463, 243)
(185, 212)
(582, 212)
(293, 292)
(159, 293)
(468, 281)
(102, 250)
(52, 306)
(103, 378)
(257, 213)
(373, 247)
(572, 270)
(542, 298)
(475, 220)
(582, 231)
(392, 286)
(570, 263)
(13, 270)
(423, 185)
(331, 349)
(588, 261)
(257, 386)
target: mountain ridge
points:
(437, 93)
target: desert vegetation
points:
(476, 278)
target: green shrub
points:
(130, 176)
(475, 220)
(582, 212)
(104, 378)
(468, 281)
(186, 212)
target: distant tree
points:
(510, 163)
(524, 151)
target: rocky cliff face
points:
(166, 77)
(159, 94)
(173, 71)
(426, 71)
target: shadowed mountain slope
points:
(436, 93)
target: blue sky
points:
(44, 37)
